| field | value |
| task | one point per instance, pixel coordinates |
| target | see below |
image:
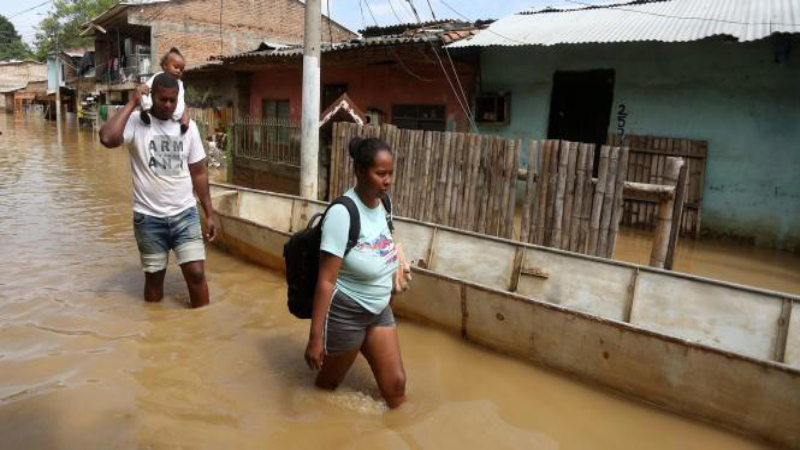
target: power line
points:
(399, 59)
(361, 7)
(452, 65)
(330, 23)
(489, 29)
(464, 106)
(28, 10)
(433, 14)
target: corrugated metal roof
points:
(297, 50)
(643, 20)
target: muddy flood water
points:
(85, 363)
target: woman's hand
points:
(402, 276)
(315, 353)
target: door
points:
(580, 106)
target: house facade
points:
(399, 75)
(404, 79)
(131, 37)
(14, 76)
(717, 75)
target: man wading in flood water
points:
(165, 165)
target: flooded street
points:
(85, 363)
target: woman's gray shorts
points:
(347, 322)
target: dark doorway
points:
(580, 106)
(331, 93)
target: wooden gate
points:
(564, 207)
(646, 165)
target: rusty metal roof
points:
(641, 20)
(445, 37)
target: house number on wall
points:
(622, 115)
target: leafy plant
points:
(11, 44)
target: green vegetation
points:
(11, 44)
(68, 17)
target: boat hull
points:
(606, 323)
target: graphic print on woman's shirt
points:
(382, 247)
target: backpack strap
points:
(355, 221)
(387, 205)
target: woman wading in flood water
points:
(351, 311)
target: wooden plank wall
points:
(564, 207)
(646, 165)
(462, 180)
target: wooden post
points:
(677, 216)
(525, 219)
(505, 179)
(664, 217)
(443, 170)
(537, 219)
(588, 201)
(561, 187)
(570, 197)
(512, 194)
(597, 201)
(575, 222)
(475, 175)
(483, 185)
(608, 202)
(552, 186)
(619, 191)
(544, 188)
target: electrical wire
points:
(489, 29)
(433, 14)
(399, 59)
(464, 106)
(28, 10)
(330, 23)
(363, 18)
(450, 58)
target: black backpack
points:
(301, 254)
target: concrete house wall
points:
(733, 95)
(369, 86)
(17, 74)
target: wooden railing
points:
(647, 164)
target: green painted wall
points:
(733, 95)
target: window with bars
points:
(419, 117)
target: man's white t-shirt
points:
(160, 158)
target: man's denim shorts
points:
(156, 236)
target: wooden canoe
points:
(708, 349)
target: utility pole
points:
(58, 78)
(309, 140)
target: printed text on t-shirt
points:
(166, 155)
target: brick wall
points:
(193, 25)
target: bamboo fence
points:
(564, 207)
(462, 180)
(469, 181)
